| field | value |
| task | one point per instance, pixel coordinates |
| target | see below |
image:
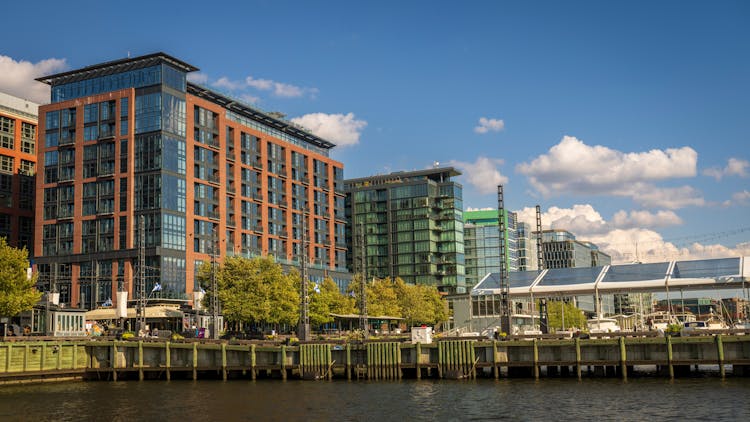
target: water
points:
(707, 399)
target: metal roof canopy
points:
(115, 66)
(721, 273)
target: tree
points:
(574, 317)
(420, 304)
(382, 298)
(253, 291)
(17, 291)
(284, 294)
(326, 301)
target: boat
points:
(660, 320)
(602, 325)
(525, 325)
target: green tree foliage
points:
(417, 304)
(253, 291)
(328, 301)
(574, 317)
(17, 291)
(382, 298)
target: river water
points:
(701, 399)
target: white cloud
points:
(640, 219)
(622, 240)
(734, 167)
(17, 77)
(250, 99)
(226, 83)
(742, 198)
(572, 167)
(482, 174)
(671, 198)
(280, 89)
(489, 125)
(198, 78)
(260, 84)
(341, 129)
(481, 209)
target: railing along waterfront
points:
(455, 358)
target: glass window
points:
(90, 113)
(52, 119)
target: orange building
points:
(18, 127)
(131, 142)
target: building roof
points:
(406, 176)
(259, 116)
(18, 106)
(115, 66)
(721, 273)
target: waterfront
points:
(508, 399)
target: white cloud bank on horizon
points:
(489, 125)
(573, 167)
(17, 77)
(628, 236)
(482, 174)
(341, 129)
(735, 167)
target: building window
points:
(6, 163)
(28, 138)
(7, 130)
(28, 167)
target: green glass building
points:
(482, 239)
(408, 225)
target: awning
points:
(151, 312)
(355, 316)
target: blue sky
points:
(625, 121)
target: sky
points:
(627, 122)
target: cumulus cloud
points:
(734, 167)
(482, 174)
(643, 218)
(489, 125)
(226, 83)
(17, 77)
(279, 89)
(481, 209)
(741, 198)
(628, 236)
(198, 78)
(341, 129)
(573, 167)
(672, 198)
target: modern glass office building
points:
(408, 225)
(18, 128)
(482, 239)
(132, 141)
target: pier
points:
(623, 357)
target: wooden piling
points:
(669, 356)
(720, 355)
(536, 358)
(140, 360)
(168, 361)
(623, 359)
(348, 362)
(578, 357)
(418, 355)
(495, 366)
(253, 373)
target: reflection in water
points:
(404, 401)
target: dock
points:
(32, 360)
